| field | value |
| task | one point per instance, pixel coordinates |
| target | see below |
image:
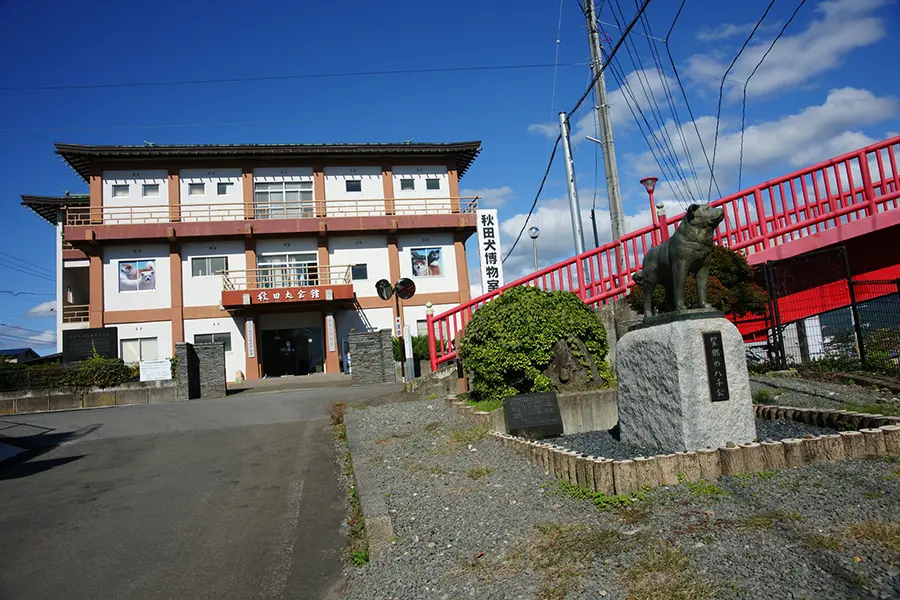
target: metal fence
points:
(863, 327)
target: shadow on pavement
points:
(36, 445)
(26, 469)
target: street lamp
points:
(649, 184)
(533, 233)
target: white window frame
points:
(437, 182)
(213, 336)
(117, 187)
(141, 342)
(270, 199)
(412, 185)
(224, 191)
(145, 187)
(208, 268)
(196, 185)
(291, 271)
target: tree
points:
(730, 288)
(508, 343)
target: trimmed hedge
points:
(96, 372)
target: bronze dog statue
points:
(688, 251)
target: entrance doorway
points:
(292, 351)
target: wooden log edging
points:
(625, 477)
(825, 417)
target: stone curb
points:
(877, 436)
(379, 529)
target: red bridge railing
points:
(846, 188)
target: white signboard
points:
(489, 250)
(251, 339)
(156, 370)
(329, 325)
(407, 342)
(398, 328)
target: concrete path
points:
(220, 499)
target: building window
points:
(223, 189)
(211, 338)
(422, 327)
(432, 184)
(407, 184)
(137, 275)
(207, 266)
(359, 272)
(151, 189)
(426, 262)
(138, 349)
(283, 200)
(288, 270)
(120, 191)
(354, 185)
(196, 189)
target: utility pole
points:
(616, 217)
(574, 206)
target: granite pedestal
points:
(665, 399)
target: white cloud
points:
(840, 27)
(723, 31)
(490, 197)
(44, 309)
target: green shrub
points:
(508, 343)
(95, 372)
(763, 396)
(420, 348)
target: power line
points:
(536, 196)
(28, 339)
(722, 89)
(20, 328)
(29, 264)
(18, 293)
(712, 175)
(752, 73)
(97, 86)
(23, 271)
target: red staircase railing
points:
(782, 210)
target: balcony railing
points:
(76, 313)
(301, 209)
(290, 276)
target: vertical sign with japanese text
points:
(251, 339)
(329, 327)
(489, 250)
(715, 366)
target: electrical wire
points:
(752, 73)
(17, 293)
(23, 271)
(97, 86)
(722, 89)
(29, 264)
(687, 102)
(556, 60)
(20, 328)
(28, 339)
(536, 196)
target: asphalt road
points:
(220, 499)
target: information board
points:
(536, 414)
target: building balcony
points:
(285, 285)
(76, 313)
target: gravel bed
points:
(802, 393)
(607, 445)
(474, 520)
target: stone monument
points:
(682, 375)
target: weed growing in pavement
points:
(599, 499)
(874, 495)
(361, 558)
(763, 396)
(664, 573)
(431, 396)
(477, 473)
(360, 407)
(884, 533)
(765, 520)
(388, 439)
(339, 432)
(821, 541)
(472, 434)
(358, 544)
(336, 412)
(706, 489)
(486, 405)
(744, 479)
(874, 408)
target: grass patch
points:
(357, 542)
(598, 499)
(745, 479)
(874, 408)
(705, 489)
(360, 407)
(472, 434)
(336, 412)
(884, 533)
(486, 405)
(874, 495)
(477, 473)
(389, 439)
(821, 541)
(894, 474)
(764, 396)
(766, 520)
(420, 467)
(664, 573)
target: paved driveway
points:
(219, 499)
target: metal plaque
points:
(79, 344)
(715, 366)
(535, 414)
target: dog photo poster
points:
(426, 262)
(137, 275)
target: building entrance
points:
(292, 351)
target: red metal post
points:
(663, 224)
(432, 347)
(761, 218)
(868, 188)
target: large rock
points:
(573, 369)
(664, 393)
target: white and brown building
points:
(273, 249)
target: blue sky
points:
(825, 88)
